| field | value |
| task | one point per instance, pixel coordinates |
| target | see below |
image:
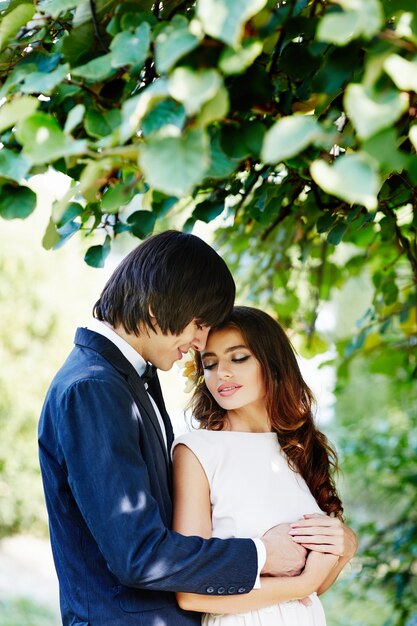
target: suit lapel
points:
(156, 393)
(89, 339)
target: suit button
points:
(231, 590)
(241, 590)
(221, 590)
(210, 589)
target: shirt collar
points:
(125, 348)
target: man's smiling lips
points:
(227, 389)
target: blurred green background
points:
(368, 410)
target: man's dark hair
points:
(175, 275)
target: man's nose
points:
(200, 338)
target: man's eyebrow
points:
(204, 354)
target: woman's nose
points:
(223, 370)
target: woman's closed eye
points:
(238, 358)
(208, 364)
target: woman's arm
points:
(192, 516)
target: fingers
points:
(336, 534)
(322, 547)
(320, 520)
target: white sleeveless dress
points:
(252, 489)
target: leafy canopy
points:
(293, 120)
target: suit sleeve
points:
(99, 435)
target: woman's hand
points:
(325, 534)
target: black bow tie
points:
(149, 373)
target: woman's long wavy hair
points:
(289, 404)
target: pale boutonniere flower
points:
(189, 371)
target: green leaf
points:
(65, 232)
(162, 204)
(42, 60)
(92, 178)
(131, 48)
(56, 7)
(225, 19)
(175, 164)
(45, 83)
(96, 70)
(289, 136)
(116, 197)
(165, 112)
(12, 165)
(215, 109)
(325, 222)
(51, 237)
(83, 10)
(382, 147)
(208, 210)
(335, 236)
(16, 110)
(372, 111)
(96, 124)
(406, 26)
(73, 210)
(174, 41)
(352, 178)
(131, 20)
(242, 141)
(403, 73)
(358, 19)
(11, 23)
(221, 166)
(16, 202)
(74, 118)
(142, 222)
(96, 255)
(78, 44)
(192, 89)
(43, 140)
(236, 61)
(135, 108)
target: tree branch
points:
(96, 26)
(402, 240)
(284, 212)
(251, 184)
(320, 275)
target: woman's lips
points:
(229, 389)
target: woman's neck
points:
(251, 420)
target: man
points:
(105, 439)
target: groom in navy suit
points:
(105, 439)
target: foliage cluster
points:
(376, 435)
(294, 119)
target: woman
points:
(257, 460)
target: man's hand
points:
(322, 533)
(283, 556)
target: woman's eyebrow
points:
(204, 354)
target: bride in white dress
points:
(257, 461)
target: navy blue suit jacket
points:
(107, 482)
